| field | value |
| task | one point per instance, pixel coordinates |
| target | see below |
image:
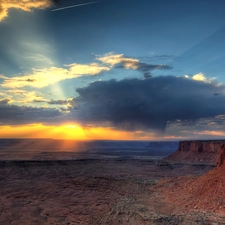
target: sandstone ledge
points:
(204, 151)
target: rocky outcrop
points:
(197, 151)
(205, 193)
(221, 156)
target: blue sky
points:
(50, 61)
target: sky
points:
(112, 69)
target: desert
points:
(112, 112)
(112, 190)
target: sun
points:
(71, 126)
(69, 131)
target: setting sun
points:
(72, 131)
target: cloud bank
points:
(132, 104)
(14, 115)
(121, 61)
(40, 78)
(135, 104)
(25, 5)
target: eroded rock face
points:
(221, 156)
(204, 193)
(200, 146)
(197, 151)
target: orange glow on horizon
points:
(71, 131)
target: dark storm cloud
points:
(147, 104)
(12, 114)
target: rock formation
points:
(197, 151)
(220, 156)
(206, 192)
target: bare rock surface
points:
(197, 151)
(93, 192)
(205, 193)
(220, 156)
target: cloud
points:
(3, 77)
(13, 115)
(130, 63)
(201, 77)
(145, 67)
(113, 59)
(39, 101)
(25, 5)
(40, 78)
(4, 101)
(147, 75)
(135, 104)
(204, 128)
(18, 96)
(52, 102)
(58, 102)
(154, 105)
(91, 69)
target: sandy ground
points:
(97, 191)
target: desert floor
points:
(97, 191)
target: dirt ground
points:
(98, 191)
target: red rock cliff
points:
(197, 151)
(206, 193)
(221, 156)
